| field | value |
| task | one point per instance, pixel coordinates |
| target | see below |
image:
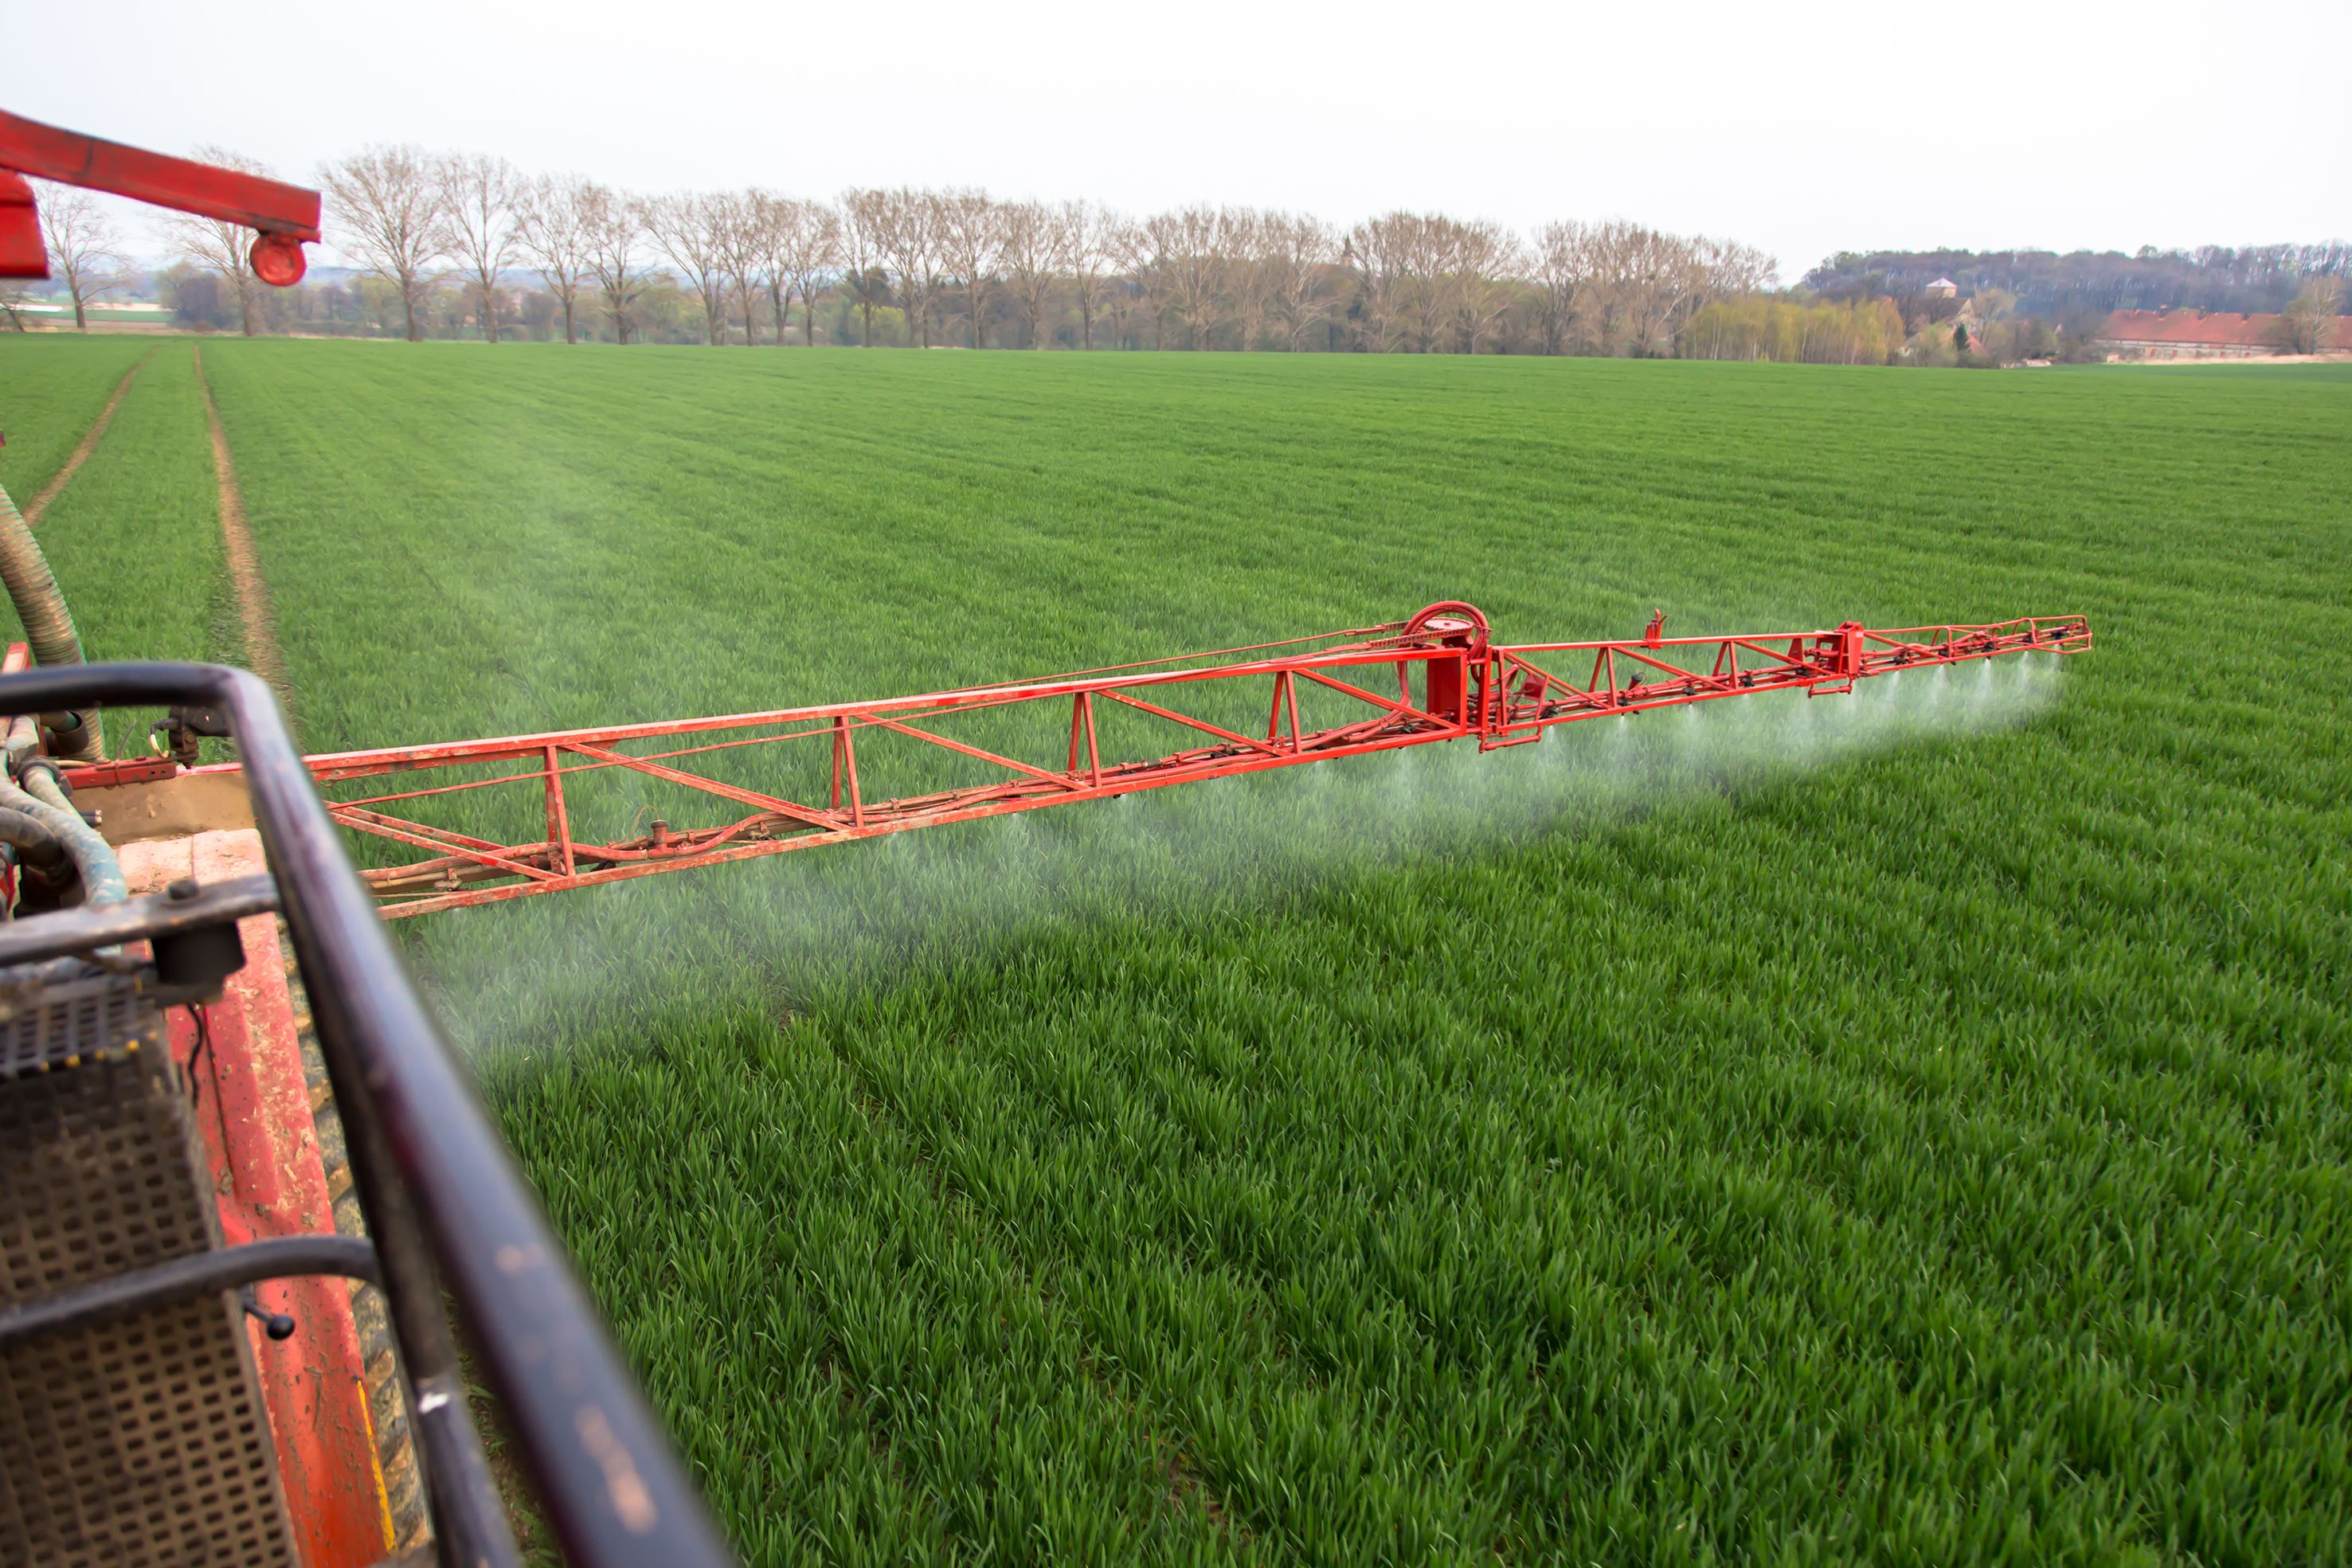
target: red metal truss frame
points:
(1467, 687)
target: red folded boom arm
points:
(1435, 677)
(283, 216)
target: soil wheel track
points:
(88, 444)
(261, 653)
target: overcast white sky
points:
(1804, 130)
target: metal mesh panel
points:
(140, 1441)
(75, 1021)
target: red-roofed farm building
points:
(2199, 335)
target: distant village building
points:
(2190, 335)
(1943, 289)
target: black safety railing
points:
(444, 1203)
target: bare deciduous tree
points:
(1295, 250)
(911, 244)
(218, 246)
(1143, 259)
(1733, 269)
(745, 218)
(552, 232)
(1089, 241)
(1432, 251)
(1128, 282)
(760, 232)
(1661, 275)
(82, 246)
(1032, 242)
(1562, 268)
(2311, 324)
(1249, 272)
(481, 197)
(808, 240)
(388, 206)
(865, 252)
(1624, 289)
(964, 224)
(613, 232)
(1189, 262)
(691, 229)
(1385, 255)
(1487, 262)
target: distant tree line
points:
(2256, 279)
(2023, 305)
(465, 245)
(451, 244)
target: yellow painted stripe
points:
(375, 1465)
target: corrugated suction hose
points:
(49, 628)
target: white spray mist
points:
(615, 962)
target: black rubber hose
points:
(35, 845)
(49, 626)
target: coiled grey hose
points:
(93, 857)
(48, 625)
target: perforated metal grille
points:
(140, 1441)
(58, 1024)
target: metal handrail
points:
(440, 1192)
(185, 1279)
(60, 932)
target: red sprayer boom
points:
(283, 218)
(1437, 677)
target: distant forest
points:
(2084, 284)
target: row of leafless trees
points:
(948, 264)
(1201, 276)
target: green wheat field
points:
(1907, 1127)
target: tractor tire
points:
(395, 1452)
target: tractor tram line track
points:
(255, 617)
(84, 448)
